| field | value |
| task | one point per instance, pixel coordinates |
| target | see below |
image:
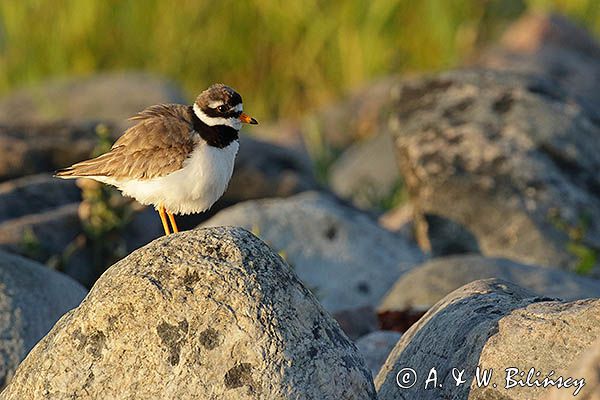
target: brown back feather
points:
(155, 146)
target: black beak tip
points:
(253, 121)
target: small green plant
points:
(587, 257)
(31, 245)
(105, 140)
(104, 213)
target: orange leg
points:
(163, 218)
(173, 223)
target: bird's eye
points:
(222, 109)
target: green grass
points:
(284, 56)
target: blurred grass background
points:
(287, 56)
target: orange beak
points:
(245, 118)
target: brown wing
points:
(155, 146)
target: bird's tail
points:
(87, 168)
(66, 173)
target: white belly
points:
(192, 189)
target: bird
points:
(177, 158)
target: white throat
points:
(232, 122)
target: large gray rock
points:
(376, 346)
(496, 325)
(341, 254)
(35, 194)
(367, 173)
(210, 313)
(32, 299)
(422, 287)
(510, 157)
(111, 97)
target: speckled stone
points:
(496, 325)
(204, 314)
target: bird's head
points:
(221, 105)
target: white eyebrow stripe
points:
(232, 122)
(215, 104)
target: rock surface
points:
(35, 148)
(367, 172)
(375, 348)
(32, 299)
(588, 368)
(426, 284)
(553, 46)
(341, 254)
(514, 155)
(39, 236)
(493, 324)
(34, 194)
(210, 313)
(548, 336)
(109, 97)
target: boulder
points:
(553, 46)
(110, 97)
(34, 194)
(32, 299)
(340, 254)
(210, 313)
(39, 236)
(548, 336)
(367, 173)
(495, 325)
(34, 148)
(514, 155)
(423, 286)
(375, 348)
(587, 367)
